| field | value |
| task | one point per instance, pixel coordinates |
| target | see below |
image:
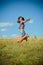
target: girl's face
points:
(20, 19)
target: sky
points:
(10, 10)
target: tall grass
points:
(25, 53)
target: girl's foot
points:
(26, 37)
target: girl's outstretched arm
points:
(27, 20)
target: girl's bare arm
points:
(27, 20)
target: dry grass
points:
(25, 53)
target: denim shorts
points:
(23, 33)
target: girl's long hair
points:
(19, 18)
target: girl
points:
(22, 22)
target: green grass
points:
(25, 53)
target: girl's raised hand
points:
(28, 20)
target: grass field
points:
(25, 53)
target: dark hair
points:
(19, 18)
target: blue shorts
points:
(23, 33)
